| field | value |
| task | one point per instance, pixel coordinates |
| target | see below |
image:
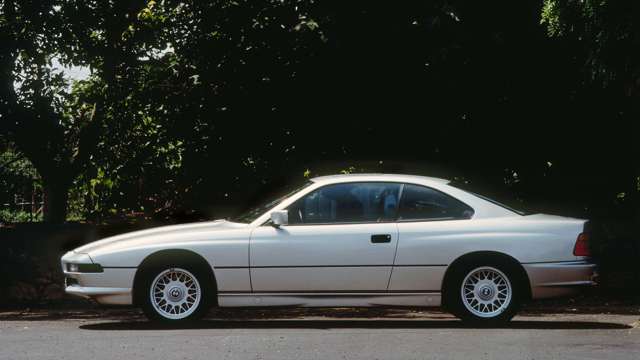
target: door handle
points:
(380, 238)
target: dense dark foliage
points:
(202, 105)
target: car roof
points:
(329, 179)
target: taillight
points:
(582, 245)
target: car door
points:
(340, 237)
(429, 224)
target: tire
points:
(484, 293)
(174, 293)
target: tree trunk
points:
(56, 199)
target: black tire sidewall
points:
(454, 302)
(150, 272)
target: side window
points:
(423, 203)
(346, 203)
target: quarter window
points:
(423, 203)
(347, 203)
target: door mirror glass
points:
(279, 217)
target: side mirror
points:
(279, 217)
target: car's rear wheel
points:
(174, 293)
(484, 293)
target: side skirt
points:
(329, 299)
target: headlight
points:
(84, 268)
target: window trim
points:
(396, 217)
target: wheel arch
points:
(485, 255)
(163, 256)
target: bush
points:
(18, 216)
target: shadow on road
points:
(355, 324)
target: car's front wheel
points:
(485, 294)
(174, 293)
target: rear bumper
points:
(563, 278)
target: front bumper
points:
(112, 286)
(555, 279)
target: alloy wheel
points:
(486, 292)
(175, 293)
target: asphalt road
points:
(316, 334)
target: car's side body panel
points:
(426, 249)
(417, 278)
(224, 245)
(525, 239)
(322, 257)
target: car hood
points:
(158, 234)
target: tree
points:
(34, 108)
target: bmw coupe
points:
(343, 241)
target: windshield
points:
(252, 214)
(507, 201)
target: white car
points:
(344, 240)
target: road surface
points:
(316, 334)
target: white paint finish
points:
(111, 287)
(104, 296)
(73, 257)
(321, 278)
(209, 239)
(525, 238)
(332, 250)
(115, 278)
(417, 278)
(347, 258)
(339, 178)
(96, 291)
(308, 245)
(114, 299)
(232, 279)
(329, 299)
(558, 279)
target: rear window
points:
(423, 203)
(506, 200)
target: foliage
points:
(605, 32)
(199, 106)
(57, 130)
(19, 183)
(16, 171)
(8, 216)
